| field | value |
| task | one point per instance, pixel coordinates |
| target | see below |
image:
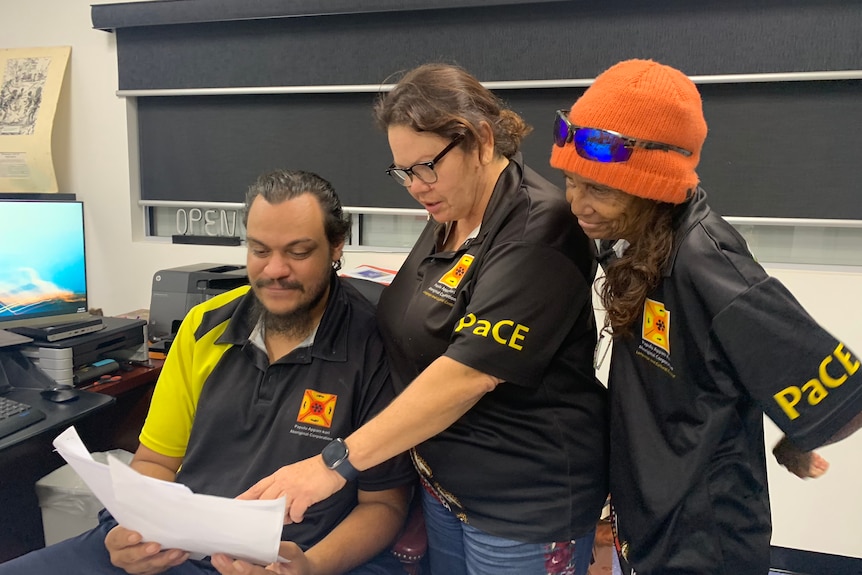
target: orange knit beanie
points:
(649, 101)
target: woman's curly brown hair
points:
(630, 278)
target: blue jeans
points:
(455, 548)
(86, 555)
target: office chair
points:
(412, 542)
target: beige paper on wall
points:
(30, 82)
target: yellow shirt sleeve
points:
(187, 368)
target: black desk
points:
(28, 455)
(57, 415)
(21, 380)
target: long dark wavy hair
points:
(630, 278)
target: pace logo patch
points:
(656, 327)
(454, 276)
(317, 408)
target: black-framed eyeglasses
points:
(603, 145)
(423, 170)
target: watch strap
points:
(346, 470)
(335, 456)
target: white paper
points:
(95, 475)
(171, 515)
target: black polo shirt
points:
(235, 418)
(528, 461)
(719, 343)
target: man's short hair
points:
(280, 185)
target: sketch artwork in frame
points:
(30, 84)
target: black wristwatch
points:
(335, 456)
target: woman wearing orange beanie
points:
(704, 340)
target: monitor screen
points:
(43, 276)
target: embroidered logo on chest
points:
(317, 408)
(656, 326)
(454, 276)
(655, 336)
(443, 290)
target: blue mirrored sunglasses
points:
(602, 145)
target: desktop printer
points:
(177, 290)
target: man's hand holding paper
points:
(131, 553)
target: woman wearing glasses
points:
(476, 319)
(705, 341)
(493, 355)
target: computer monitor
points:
(43, 272)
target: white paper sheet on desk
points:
(170, 514)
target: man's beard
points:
(299, 322)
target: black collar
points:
(685, 218)
(510, 181)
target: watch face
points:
(334, 453)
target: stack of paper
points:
(171, 515)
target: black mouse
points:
(60, 395)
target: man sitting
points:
(257, 378)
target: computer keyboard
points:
(15, 416)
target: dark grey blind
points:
(210, 148)
(514, 41)
(773, 150)
(778, 150)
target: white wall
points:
(91, 159)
